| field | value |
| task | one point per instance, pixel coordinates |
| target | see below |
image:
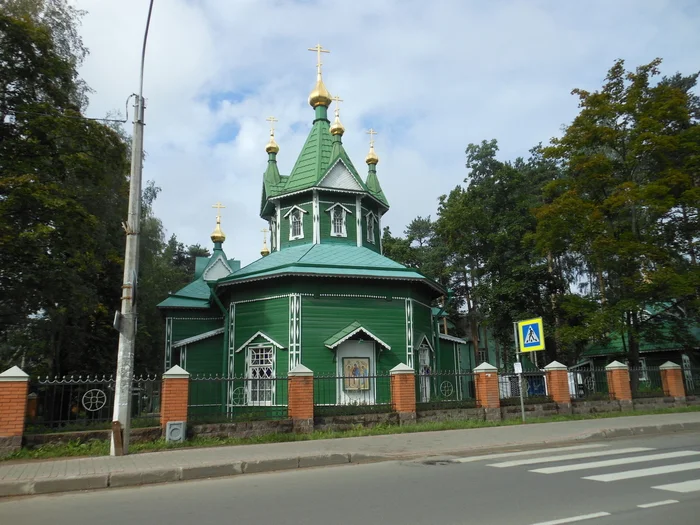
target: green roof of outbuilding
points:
(333, 260)
(194, 295)
(666, 343)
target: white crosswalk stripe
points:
(615, 462)
(685, 486)
(567, 457)
(644, 472)
(519, 453)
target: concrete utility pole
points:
(125, 320)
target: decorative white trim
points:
(344, 215)
(231, 340)
(295, 207)
(409, 333)
(425, 338)
(339, 177)
(257, 334)
(168, 342)
(358, 220)
(197, 318)
(294, 330)
(217, 270)
(317, 219)
(278, 212)
(360, 329)
(381, 244)
(361, 193)
(199, 337)
(371, 220)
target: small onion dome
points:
(371, 157)
(265, 250)
(320, 95)
(217, 235)
(272, 146)
(337, 127)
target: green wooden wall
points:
(308, 225)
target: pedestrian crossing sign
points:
(531, 335)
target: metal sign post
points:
(518, 367)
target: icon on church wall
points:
(355, 373)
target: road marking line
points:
(684, 486)
(574, 518)
(566, 457)
(524, 453)
(644, 472)
(614, 462)
(657, 503)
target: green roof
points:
(374, 187)
(194, 295)
(334, 260)
(348, 332)
(313, 160)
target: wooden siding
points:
(205, 357)
(351, 227)
(308, 225)
(323, 317)
(184, 328)
(270, 317)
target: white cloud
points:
(429, 76)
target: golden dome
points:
(217, 235)
(337, 127)
(320, 95)
(265, 251)
(371, 157)
(272, 146)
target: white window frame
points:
(273, 234)
(344, 214)
(254, 385)
(371, 231)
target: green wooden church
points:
(323, 295)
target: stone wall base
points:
(8, 445)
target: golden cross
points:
(337, 100)
(265, 231)
(318, 50)
(272, 121)
(371, 134)
(218, 207)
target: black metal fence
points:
(87, 403)
(589, 384)
(645, 382)
(214, 399)
(534, 385)
(691, 380)
(446, 389)
(351, 395)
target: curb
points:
(227, 469)
(132, 478)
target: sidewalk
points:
(42, 477)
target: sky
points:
(429, 76)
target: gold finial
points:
(337, 127)
(371, 157)
(272, 146)
(265, 251)
(218, 235)
(320, 95)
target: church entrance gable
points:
(356, 370)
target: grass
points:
(100, 448)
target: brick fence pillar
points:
(174, 396)
(672, 380)
(619, 382)
(558, 384)
(487, 393)
(301, 398)
(14, 385)
(403, 393)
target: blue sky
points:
(430, 77)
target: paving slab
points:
(60, 475)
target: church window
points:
(273, 234)
(296, 228)
(339, 222)
(370, 228)
(260, 375)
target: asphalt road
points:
(634, 481)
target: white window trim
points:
(295, 210)
(371, 219)
(250, 379)
(345, 211)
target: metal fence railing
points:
(214, 399)
(691, 380)
(534, 388)
(86, 403)
(352, 394)
(589, 384)
(447, 389)
(645, 382)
